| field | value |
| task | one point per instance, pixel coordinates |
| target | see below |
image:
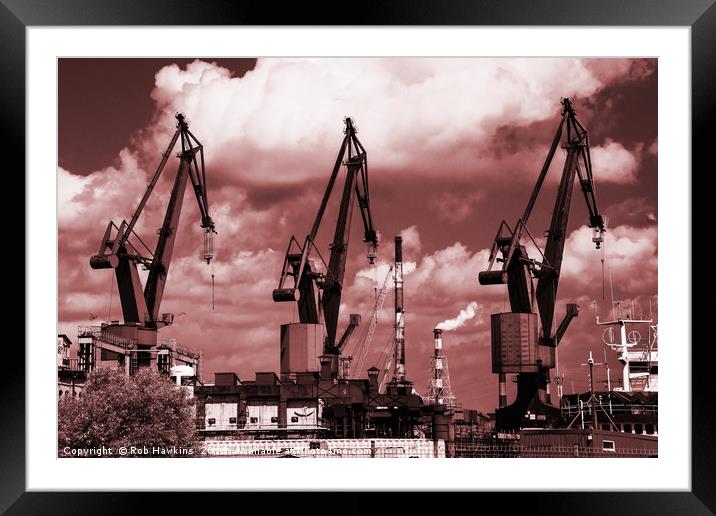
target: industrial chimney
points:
(439, 391)
(399, 344)
(438, 366)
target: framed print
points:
(448, 238)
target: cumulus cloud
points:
(451, 271)
(611, 162)
(630, 253)
(412, 245)
(281, 121)
(83, 201)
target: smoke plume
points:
(465, 314)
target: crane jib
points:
(318, 294)
(116, 251)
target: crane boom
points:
(577, 162)
(117, 251)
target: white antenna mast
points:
(609, 380)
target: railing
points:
(89, 331)
(126, 342)
(98, 333)
(123, 342)
(172, 344)
(651, 410)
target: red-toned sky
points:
(454, 147)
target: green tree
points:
(144, 412)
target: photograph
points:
(358, 257)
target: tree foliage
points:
(143, 412)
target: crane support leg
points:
(134, 308)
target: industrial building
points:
(99, 347)
(70, 379)
(313, 405)
(106, 346)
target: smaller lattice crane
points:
(122, 249)
(366, 339)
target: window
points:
(60, 393)
(627, 428)
(649, 429)
(211, 421)
(294, 419)
(274, 420)
(608, 446)
(254, 420)
(638, 428)
(232, 420)
(605, 426)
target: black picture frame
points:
(699, 15)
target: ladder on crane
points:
(367, 336)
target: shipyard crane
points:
(518, 347)
(122, 249)
(387, 364)
(317, 293)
